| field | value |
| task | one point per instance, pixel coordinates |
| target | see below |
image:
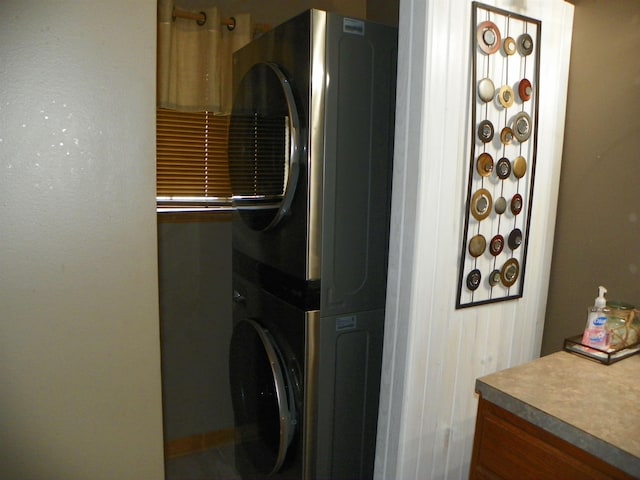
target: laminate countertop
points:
(593, 406)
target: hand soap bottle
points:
(595, 333)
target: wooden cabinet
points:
(507, 447)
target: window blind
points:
(192, 167)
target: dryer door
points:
(264, 146)
(263, 398)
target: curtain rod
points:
(201, 18)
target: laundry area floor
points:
(212, 464)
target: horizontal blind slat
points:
(191, 155)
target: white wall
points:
(433, 352)
(79, 344)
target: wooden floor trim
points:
(199, 443)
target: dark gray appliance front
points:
(314, 241)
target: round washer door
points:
(262, 395)
(264, 146)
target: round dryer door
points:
(262, 396)
(264, 138)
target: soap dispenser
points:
(596, 334)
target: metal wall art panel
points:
(504, 126)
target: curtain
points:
(194, 61)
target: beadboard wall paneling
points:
(433, 352)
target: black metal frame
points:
(484, 292)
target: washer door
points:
(264, 146)
(263, 397)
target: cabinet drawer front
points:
(508, 447)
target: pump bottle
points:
(596, 334)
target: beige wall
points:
(598, 230)
(79, 346)
(383, 11)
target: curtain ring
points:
(231, 27)
(203, 20)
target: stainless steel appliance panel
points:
(343, 384)
(359, 129)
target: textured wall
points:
(79, 340)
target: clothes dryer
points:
(311, 144)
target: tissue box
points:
(623, 325)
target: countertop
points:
(593, 406)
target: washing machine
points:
(304, 387)
(310, 154)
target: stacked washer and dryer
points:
(310, 150)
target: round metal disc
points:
(473, 279)
(525, 44)
(486, 89)
(516, 204)
(510, 271)
(515, 239)
(481, 203)
(503, 168)
(484, 165)
(505, 96)
(485, 131)
(477, 245)
(500, 205)
(488, 37)
(494, 278)
(509, 46)
(525, 90)
(506, 136)
(496, 245)
(522, 126)
(519, 167)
